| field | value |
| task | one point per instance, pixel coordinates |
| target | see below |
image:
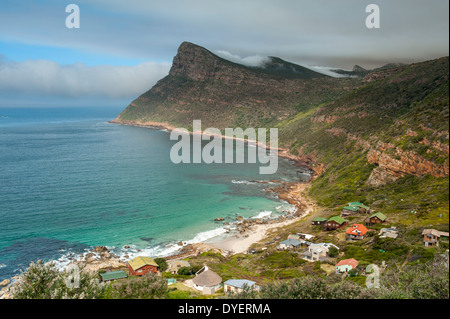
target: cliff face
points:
(201, 85)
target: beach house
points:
(433, 237)
(290, 243)
(356, 232)
(334, 222)
(344, 266)
(318, 252)
(141, 265)
(207, 281)
(377, 218)
(239, 285)
(175, 264)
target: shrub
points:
(162, 264)
(148, 286)
(44, 281)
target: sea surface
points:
(70, 181)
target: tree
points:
(333, 251)
(162, 264)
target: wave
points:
(263, 214)
(243, 182)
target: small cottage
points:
(349, 210)
(289, 244)
(317, 252)
(377, 218)
(175, 264)
(389, 232)
(113, 275)
(334, 222)
(207, 281)
(356, 232)
(344, 266)
(318, 221)
(141, 265)
(239, 285)
(361, 207)
(433, 237)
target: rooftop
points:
(240, 283)
(141, 261)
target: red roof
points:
(357, 230)
(352, 262)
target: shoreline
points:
(280, 152)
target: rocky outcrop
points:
(396, 163)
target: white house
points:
(207, 281)
(318, 251)
(238, 285)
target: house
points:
(349, 210)
(318, 221)
(305, 236)
(389, 232)
(318, 252)
(354, 208)
(376, 218)
(334, 222)
(289, 244)
(207, 281)
(433, 237)
(175, 264)
(239, 285)
(141, 265)
(294, 236)
(356, 232)
(344, 266)
(113, 275)
(361, 207)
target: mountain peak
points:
(193, 61)
(197, 63)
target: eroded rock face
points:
(399, 164)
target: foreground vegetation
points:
(427, 280)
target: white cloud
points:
(44, 78)
(254, 60)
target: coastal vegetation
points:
(428, 280)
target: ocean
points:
(70, 181)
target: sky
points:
(122, 48)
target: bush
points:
(44, 281)
(148, 286)
(162, 264)
(333, 252)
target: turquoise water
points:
(69, 180)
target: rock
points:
(100, 249)
(180, 243)
(219, 219)
(126, 247)
(5, 282)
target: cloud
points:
(48, 78)
(254, 60)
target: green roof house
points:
(113, 275)
(335, 222)
(354, 208)
(376, 218)
(318, 221)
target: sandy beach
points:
(256, 232)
